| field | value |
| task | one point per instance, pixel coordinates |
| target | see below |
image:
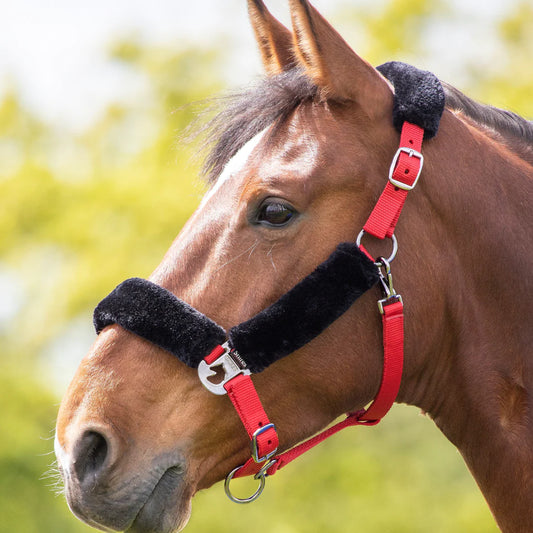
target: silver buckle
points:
(232, 365)
(255, 451)
(411, 153)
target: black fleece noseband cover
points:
(155, 314)
(301, 314)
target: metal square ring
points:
(411, 153)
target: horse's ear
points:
(330, 62)
(274, 39)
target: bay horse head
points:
(298, 163)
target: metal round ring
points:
(251, 498)
(394, 245)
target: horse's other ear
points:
(330, 62)
(274, 39)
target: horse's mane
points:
(516, 132)
(242, 114)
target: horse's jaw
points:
(156, 499)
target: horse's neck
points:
(487, 380)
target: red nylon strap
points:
(390, 384)
(243, 395)
(392, 320)
(215, 354)
(382, 221)
(251, 467)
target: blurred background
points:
(95, 184)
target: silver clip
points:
(229, 362)
(385, 278)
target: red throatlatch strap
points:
(382, 221)
(390, 384)
(279, 461)
(243, 395)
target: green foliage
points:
(395, 29)
(28, 500)
(80, 213)
(511, 87)
(134, 192)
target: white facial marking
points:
(61, 456)
(234, 165)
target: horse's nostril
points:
(90, 455)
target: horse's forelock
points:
(241, 115)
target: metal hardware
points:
(411, 153)
(385, 278)
(385, 301)
(394, 245)
(264, 469)
(260, 476)
(255, 450)
(232, 365)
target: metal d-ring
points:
(394, 244)
(261, 476)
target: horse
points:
(298, 161)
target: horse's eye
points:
(274, 212)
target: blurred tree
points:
(137, 190)
(392, 29)
(511, 85)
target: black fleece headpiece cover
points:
(301, 314)
(418, 97)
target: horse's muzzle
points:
(105, 492)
